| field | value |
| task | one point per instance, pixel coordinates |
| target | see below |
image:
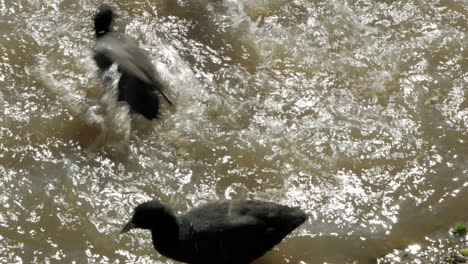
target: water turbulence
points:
(355, 111)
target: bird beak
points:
(127, 227)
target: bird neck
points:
(166, 234)
(101, 31)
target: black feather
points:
(139, 82)
(221, 232)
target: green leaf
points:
(460, 230)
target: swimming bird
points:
(219, 232)
(139, 80)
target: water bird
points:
(219, 232)
(139, 81)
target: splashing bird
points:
(139, 81)
(221, 232)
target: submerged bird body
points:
(221, 232)
(139, 81)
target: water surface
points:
(355, 111)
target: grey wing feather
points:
(130, 57)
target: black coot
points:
(139, 81)
(221, 232)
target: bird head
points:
(103, 20)
(150, 215)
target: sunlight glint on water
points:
(355, 111)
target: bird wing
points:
(131, 58)
(227, 234)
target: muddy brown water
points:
(355, 111)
